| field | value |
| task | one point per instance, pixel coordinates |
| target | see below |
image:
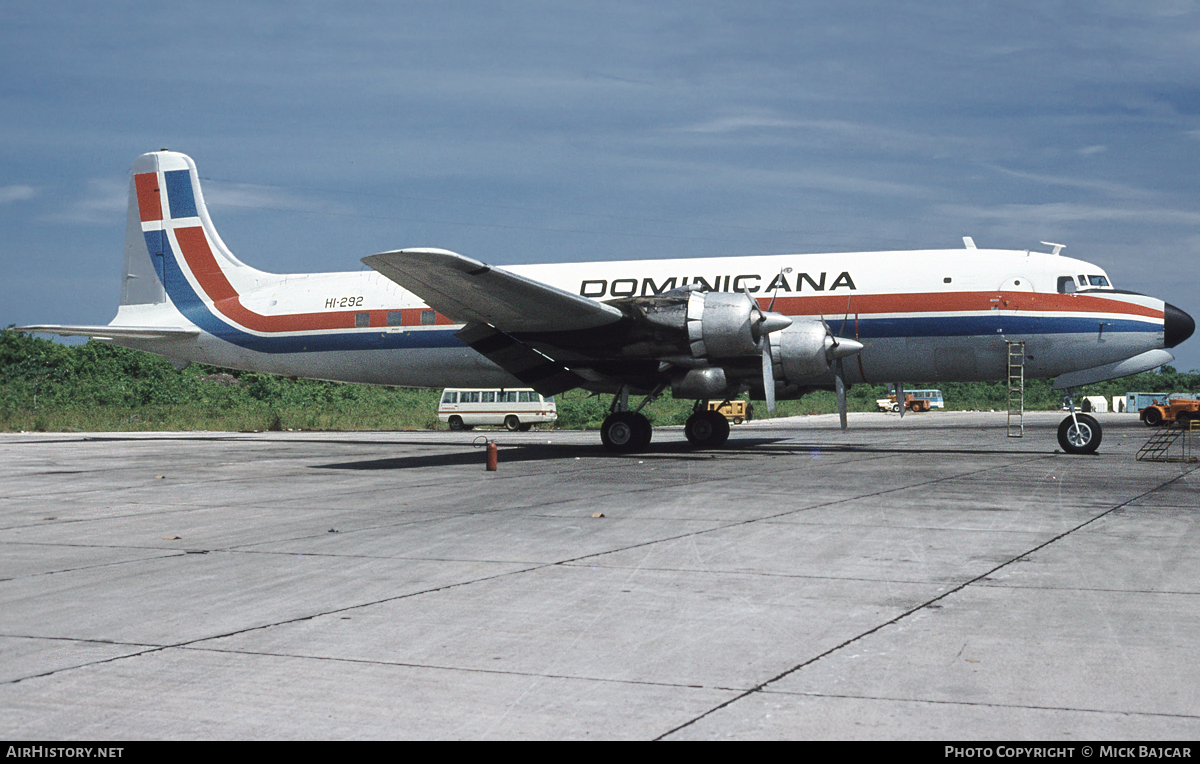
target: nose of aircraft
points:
(1177, 325)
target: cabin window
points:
(946, 280)
(362, 319)
(428, 317)
(395, 318)
(1066, 284)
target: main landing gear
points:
(1078, 433)
(625, 431)
(705, 428)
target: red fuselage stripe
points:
(199, 257)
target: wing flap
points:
(470, 291)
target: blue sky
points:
(540, 132)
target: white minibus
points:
(515, 409)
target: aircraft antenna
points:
(1057, 247)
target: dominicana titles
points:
(781, 282)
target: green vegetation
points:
(95, 387)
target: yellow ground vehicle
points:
(1181, 410)
(735, 411)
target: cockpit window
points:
(1066, 284)
(1099, 281)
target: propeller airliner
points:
(778, 326)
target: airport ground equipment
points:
(1182, 410)
(1016, 389)
(1161, 444)
(736, 411)
(891, 403)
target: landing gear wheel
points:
(625, 432)
(1081, 439)
(707, 429)
(512, 423)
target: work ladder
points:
(1158, 447)
(1016, 389)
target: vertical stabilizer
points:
(165, 202)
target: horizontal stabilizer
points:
(113, 332)
(469, 291)
(1151, 359)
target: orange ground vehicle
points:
(1181, 410)
(912, 404)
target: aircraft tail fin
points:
(165, 204)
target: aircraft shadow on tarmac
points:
(475, 455)
(535, 452)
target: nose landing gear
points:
(1078, 433)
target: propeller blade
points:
(768, 376)
(839, 377)
(900, 398)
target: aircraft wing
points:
(470, 291)
(113, 332)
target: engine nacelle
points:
(727, 325)
(804, 351)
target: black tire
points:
(526, 427)
(1152, 417)
(456, 423)
(512, 423)
(625, 432)
(707, 429)
(1082, 439)
(895, 408)
(645, 431)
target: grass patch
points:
(48, 387)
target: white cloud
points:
(735, 124)
(1061, 213)
(103, 202)
(1102, 186)
(16, 193)
(256, 196)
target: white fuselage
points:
(925, 315)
